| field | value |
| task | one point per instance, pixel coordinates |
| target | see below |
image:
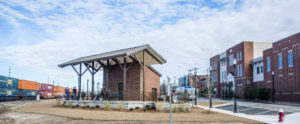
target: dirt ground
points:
(207, 104)
(47, 112)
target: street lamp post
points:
(234, 66)
(210, 99)
(195, 72)
(208, 86)
(273, 87)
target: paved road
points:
(252, 108)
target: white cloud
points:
(84, 28)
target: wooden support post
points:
(93, 80)
(79, 81)
(124, 79)
(144, 75)
(106, 75)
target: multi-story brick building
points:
(243, 53)
(284, 60)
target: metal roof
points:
(131, 54)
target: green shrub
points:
(148, 107)
(183, 107)
(58, 102)
(121, 106)
(159, 106)
(69, 104)
(107, 105)
(84, 103)
(264, 93)
(131, 109)
(175, 108)
(250, 92)
(257, 92)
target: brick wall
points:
(287, 79)
(152, 80)
(134, 81)
(247, 56)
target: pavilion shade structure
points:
(144, 55)
(131, 54)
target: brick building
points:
(128, 74)
(134, 82)
(244, 53)
(284, 60)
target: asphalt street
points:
(253, 108)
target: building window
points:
(231, 59)
(268, 64)
(262, 69)
(241, 56)
(241, 70)
(257, 70)
(237, 71)
(280, 65)
(237, 56)
(290, 58)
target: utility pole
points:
(170, 97)
(190, 72)
(9, 71)
(174, 80)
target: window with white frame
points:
(268, 64)
(257, 70)
(280, 65)
(237, 56)
(290, 53)
(262, 69)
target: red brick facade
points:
(287, 78)
(243, 53)
(246, 49)
(134, 80)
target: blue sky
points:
(36, 36)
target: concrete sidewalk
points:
(274, 107)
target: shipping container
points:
(8, 83)
(59, 89)
(28, 85)
(28, 92)
(46, 87)
(46, 94)
(56, 94)
(8, 97)
(70, 90)
(7, 92)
